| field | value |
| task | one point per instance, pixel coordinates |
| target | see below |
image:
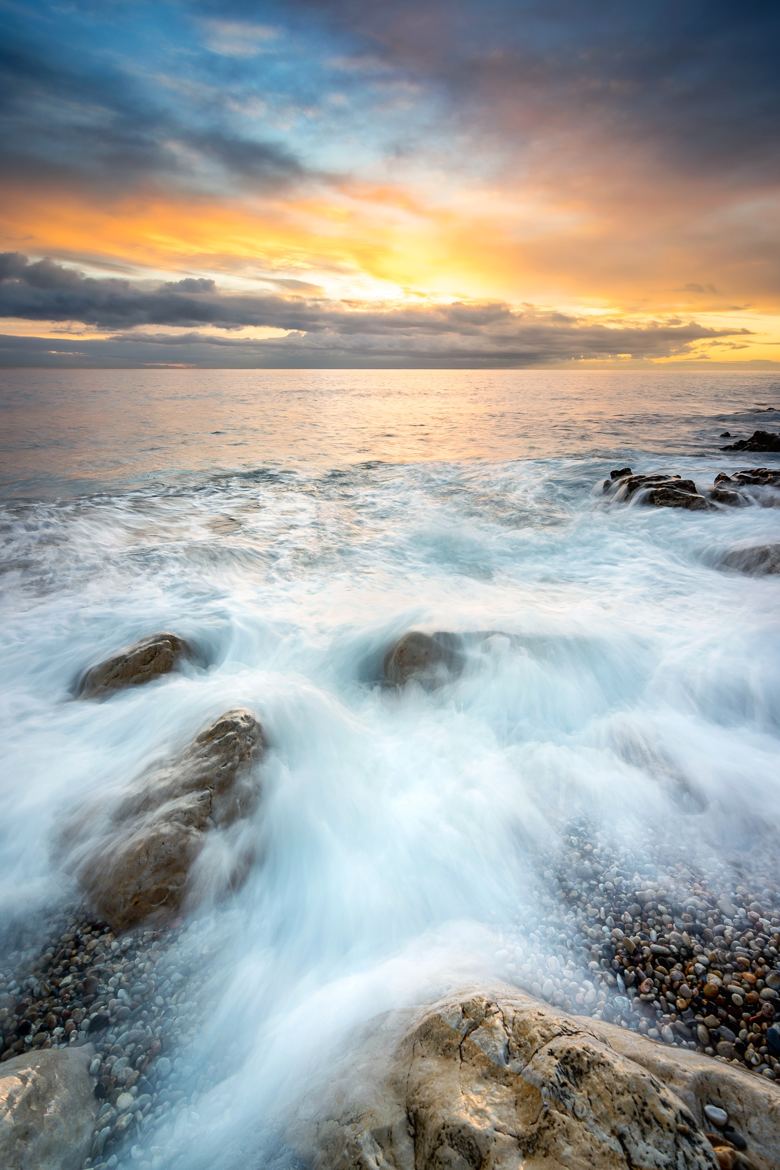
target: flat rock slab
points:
(47, 1110)
(135, 665)
(134, 855)
(501, 1081)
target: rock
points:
(719, 1117)
(658, 490)
(759, 560)
(137, 664)
(758, 441)
(133, 858)
(620, 473)
(47, 1110)
(730, 499)
(751, 1103)
(426, 658)
(493, 1082)
(773, 1039)
(750, 477)
(725, 434)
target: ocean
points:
(292, 525)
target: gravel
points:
(685, 952)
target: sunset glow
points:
(533, 191)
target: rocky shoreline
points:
(685, 953)
(675, 959)
(124, 998)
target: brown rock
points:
(729, 499)
(757, 477)
(498, 1082)
(134, 857)
(658, 490)
(427, 658)
(47, 1110)
(137, 664)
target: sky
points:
(413, 183)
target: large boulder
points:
(758, 441)
(659, 490)
(429, 659)
(133, 856)
(759, 560)
(500, 1082)
(47, 1110)
(133, 666)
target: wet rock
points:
(758, 560)
(134, 666)
(729, 499)
(657, 490)
(501, 1081)
(758, 441)
(47, 1110)
(429, 659)
(750, 477)
(773, 1040)
(719, 1117)
(133, 858)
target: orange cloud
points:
(390, 242)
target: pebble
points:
(85, 986)
(647, 946)
(773, 1040)
(715, 1114)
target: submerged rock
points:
(427, 658)
(493, 1083)
(47, 1110)
(137, 664)
(758, 441)
(758, 560)
(659, 490)
(134, 857)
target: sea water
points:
(291, 525)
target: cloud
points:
(696, 84)
(92, 123)
(320, 332)
(190, 284)
(234, 38)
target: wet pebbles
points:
(126, 998)
(686, 959)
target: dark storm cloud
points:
(321, 332)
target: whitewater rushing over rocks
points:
(515, 733)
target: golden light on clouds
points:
(364, 244)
